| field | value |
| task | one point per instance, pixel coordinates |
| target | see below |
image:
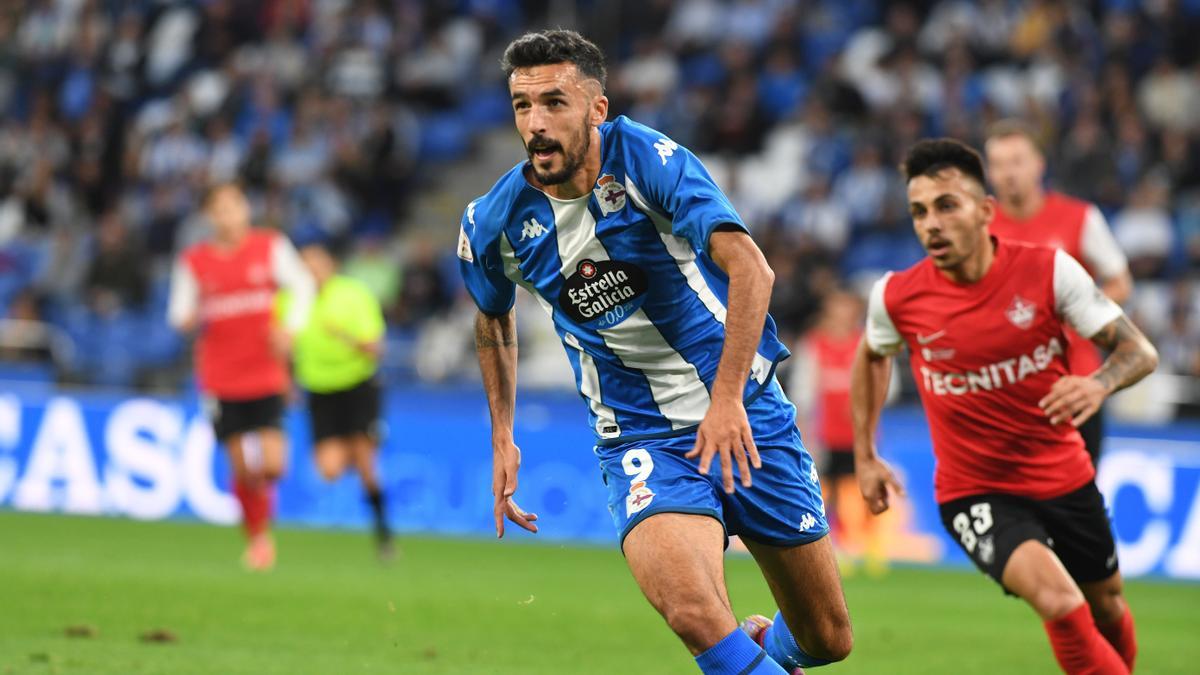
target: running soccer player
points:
(985, 324)
(336, 356)
(1029, 213)
(660, 298)
(224, 289)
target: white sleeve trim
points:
(289, 272)
(184, 300)
(1099, 247)
(882, 336)
(1077, 299)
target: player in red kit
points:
(820, 387)
(224, 289)
(1028, 212)
(985, 323)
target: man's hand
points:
(875, 477)
(506, 460)
(1074, 399)
(725, 432)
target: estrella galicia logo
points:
(603, 293)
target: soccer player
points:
(336, 356)
(1029, 213)
(820, 387)
(224, 289)
(660, 298)
(985, 324)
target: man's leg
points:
(363, 449)
(1112, 615)
(678, 561)
(812, 627)
(1035, 574)
(332, 456)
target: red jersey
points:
(232, 293)
(1078, 228)
(983, 355)
(831, 358)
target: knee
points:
(1054, 603)
(1108, 607)
(330, 465)
(693, 622)
(833, 640)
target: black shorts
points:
(838, 462)
(239, 417)
(348, 412)
(989, 527)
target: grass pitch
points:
(452, 606)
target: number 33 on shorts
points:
(637, 463)
(970, 528)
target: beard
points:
(571, 162)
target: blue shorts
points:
(783, 507)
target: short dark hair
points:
(548, 47)
(932, 156)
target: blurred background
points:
(369, 124)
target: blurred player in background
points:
(660, 297)
(820, 387)
(336, 357)
(985, 324)
(1028, 212)
(224, 290)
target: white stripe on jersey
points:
(589, 376)
(685, 259)
(674, 383)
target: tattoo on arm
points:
(1132, 356)
(493, 332)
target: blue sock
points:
(781, 646)
(737, 654)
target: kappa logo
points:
(812, 474)
(807, 522)
(1021, 312)
(665, 147)
(610, 194)
(532, 229)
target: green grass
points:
(453, 606)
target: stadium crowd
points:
(117, 114)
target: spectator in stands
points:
(116, 279)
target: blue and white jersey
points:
(625, 274)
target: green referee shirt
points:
(324, 361)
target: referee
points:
(336, 360)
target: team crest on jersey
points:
(639, 498)
(464, 246)
(1021, 312)
(603, 293)
(610, 194)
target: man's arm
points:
(869, 378)
(183, 305)
(1118, 287)
(496, 346)
(725, 430)
(1104, 256)
(1131, 357)
(1086, 309)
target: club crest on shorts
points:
(987, 550)
(610, 194)
(639, 498)
(1021, 312)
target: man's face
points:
(228, 211)
(1014, 165)
(555, 109)
(950, 214)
